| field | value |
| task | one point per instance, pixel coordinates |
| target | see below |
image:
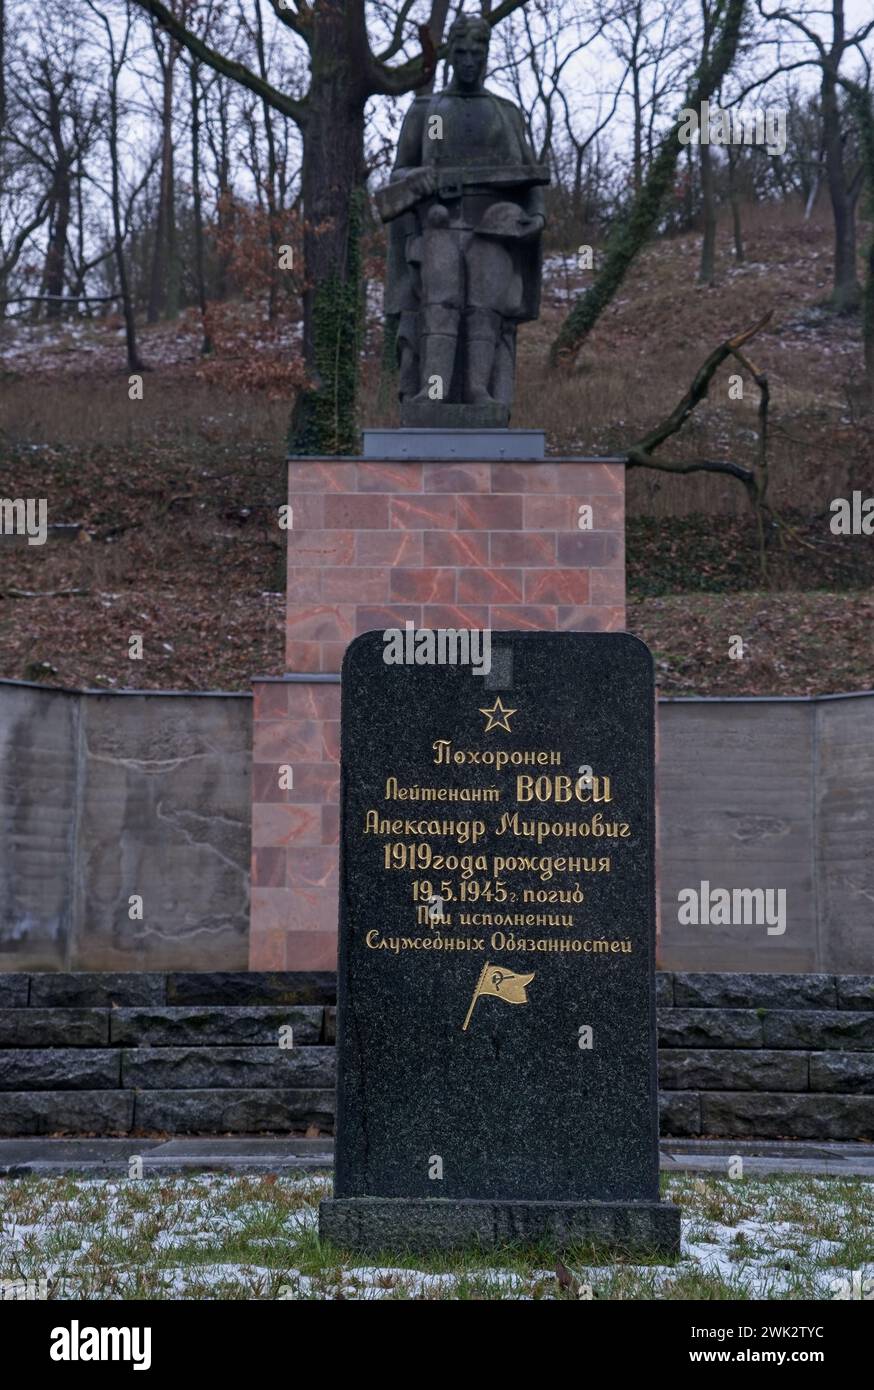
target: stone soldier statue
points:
(465, 208)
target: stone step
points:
(137, 1113)
(142, 989)
(700, 1069)
(765, 991)
(257, 987)
(819, 1029)
(163, 1068)
(54, 1027)
(163, 1026)
(802, 1029)
(14, 991)
(690, 990)
(683, 1114)
(66, 1112)
(60, 1069)
(240, 1068)
(733, 1028)
(100, 990)
(210, 1025)
(232, 1112)
(772, 1116)
(727, 1069)
(766, 1115)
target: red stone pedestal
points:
(374, 545)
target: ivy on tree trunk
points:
(323, 420)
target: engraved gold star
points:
(498, 716)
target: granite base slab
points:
(454, 415)
(371, 1225)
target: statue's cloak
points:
(494, 136)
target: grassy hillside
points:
(174, 495)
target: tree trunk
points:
(54, 266)
(3, 276)
(863, 104)
(163, 290)
(78, 258)
(225, 211)
(846, 291)
(323, 420)
(637, 102)
(56, 252)
(734, 194)
(194, 70)
(133, 358)
(2, 72)
(707, 269)
(577, 195)
(272, 209)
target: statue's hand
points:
(421, 182)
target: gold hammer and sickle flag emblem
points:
(503, 984)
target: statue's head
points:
(468, 43)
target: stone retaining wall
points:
(107, 796)
(740, 1056)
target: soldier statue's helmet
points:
(468, 26)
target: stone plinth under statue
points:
(465, 213)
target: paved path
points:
(112, 1157)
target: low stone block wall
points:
(766, 1056)
(740, 1056)
(152, 1053)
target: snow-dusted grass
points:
(213, 1236)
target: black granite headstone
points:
(496, 1011)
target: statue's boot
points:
(482, 337)
(437, 358)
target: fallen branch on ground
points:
(754, 479)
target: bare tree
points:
(199, 256)
(648, 39)
(862, 102)
(637, 228)
(164, 278)
(844, 183)
(58, 118)
(539, 56)
(117, 52)
(707, 268)
(2, 68)
(22, 213)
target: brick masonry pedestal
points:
(376, 545)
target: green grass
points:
(212, 1236)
